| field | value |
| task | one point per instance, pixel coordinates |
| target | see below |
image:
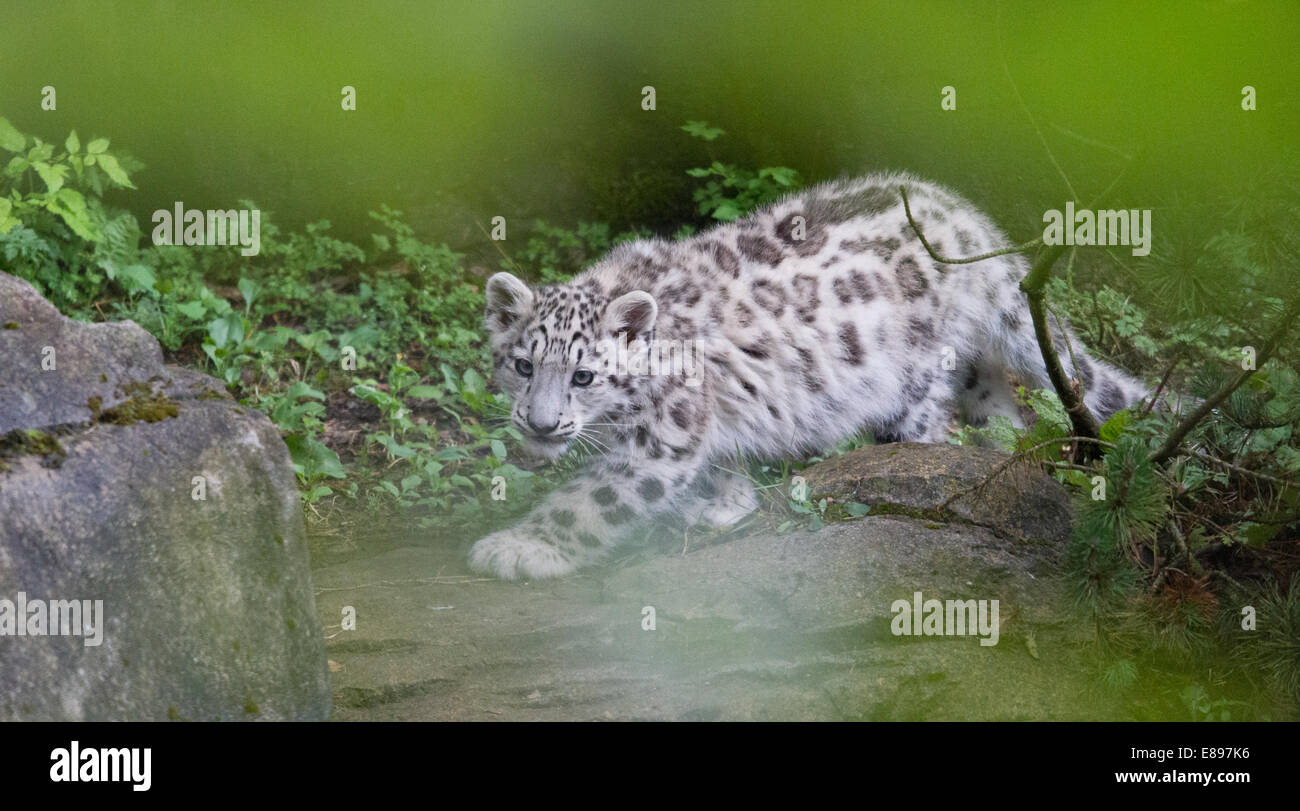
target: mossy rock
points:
(99, 455)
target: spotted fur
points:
(814, 318)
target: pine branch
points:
(1173, 444)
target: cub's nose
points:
(542, 429)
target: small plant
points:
(728, 191)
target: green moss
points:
(209, 394)
(250, 708)
(27, 443)
(910, 512)
(143, 405)
(11, 325)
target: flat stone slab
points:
(768, 627)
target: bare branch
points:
(907, 209)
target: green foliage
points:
(53, 221)
(729, 191)
(553, 255)
(278, 327)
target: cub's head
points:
(555, 352)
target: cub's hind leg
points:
(986, 392)
(928, 412)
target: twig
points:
(1020, 99)
(1019, 455)
(1033, 286)
(1091, 141)
(497, 244)
(1178, 356)
(1238, 468)
(907, 209)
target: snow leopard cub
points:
(809, 320)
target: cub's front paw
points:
(512, 555)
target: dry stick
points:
(1175, 440)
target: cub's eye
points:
(582, 377)
(524, 367)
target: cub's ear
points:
(508, 300)
(633, 313)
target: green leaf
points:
(498, 449)
(114, 171)
(193, 309)
(316, 493)
(229, 329)
(97, 146)
(249, 290)
(424, 392)
(302, 389)
(138, 277)
(857, 509)
(1115, 426)
(71, 206)
(394, 447)
(73, 143)
(726, 212)
(52, 174)
(7, 222)
(1259, 534)
(312, 459)
(473, 382)
(11, 139)
(701, 129)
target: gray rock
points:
(1019, 502)
(207, 604)
(89, 360)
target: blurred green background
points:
(468, 110)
